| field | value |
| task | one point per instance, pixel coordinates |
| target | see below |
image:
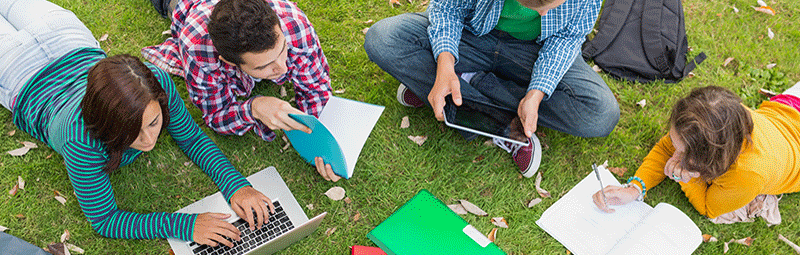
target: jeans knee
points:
(605, 119)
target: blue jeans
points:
(581, 105)
(34, 33)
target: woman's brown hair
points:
(118, 89)
(713, 125)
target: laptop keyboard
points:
(278, 224)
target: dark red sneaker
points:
(408, 98)
(527, 157)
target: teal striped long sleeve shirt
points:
(48, 107)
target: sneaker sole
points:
(400, 91)
(536, 159)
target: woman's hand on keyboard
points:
(248, 200)
(212, 229)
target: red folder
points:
(365, 250)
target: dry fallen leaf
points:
(74, 248)
(770, 34)
(708, 238)
(20, 182)
(770, 66)
(283, 91)
(725, 246)
(478, 159)
(458, 209)
(310, 206)
(500, 222)
(336, 193)
(534, 202)
(780, 237)
(543, 193)
(418, 139)
(19, 152)
(339, 91)
(605, 164)
(472, 208)
(405, 123)
(3, 229)
(103, 38)
(597, 68)
(761, 3)
(619, 171)
(13, 191)
(727, 61)
(20, 216)
(12, 132)
(642, 103)
(187, 163)
(65, 236)
(745, 241)
(369, 21)
(166, 32)
(492, 234)
(57, 249)
(735, 10)
(364, 31)
(393, 2)
(765, 9)
(61, 199)
(357, 216)
(330, 231)
(768, 93)
(690, 75)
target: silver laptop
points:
(288, 225)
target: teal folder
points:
(425, 225)
(338, 135)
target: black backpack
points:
(642, 40)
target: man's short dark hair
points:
(240, 26)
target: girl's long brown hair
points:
(713, 125)
(118, 89)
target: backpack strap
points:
(654, 48)
(615, 13)
(692, 64)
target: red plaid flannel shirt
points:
(215, 85)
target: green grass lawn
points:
(392, 168)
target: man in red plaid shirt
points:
(222, 47)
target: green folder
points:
(425, 225)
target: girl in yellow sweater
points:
(722, 153)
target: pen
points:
(596, 173)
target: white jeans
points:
(34, 33)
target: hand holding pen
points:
(613, 195)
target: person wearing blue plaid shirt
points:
(519, 56)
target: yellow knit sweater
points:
(770, 165)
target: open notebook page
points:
(577, 223)
(350, 122)
(666, 230)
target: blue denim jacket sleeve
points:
(563, 30)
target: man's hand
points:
(274, 113)
(211, 229)
(446, 83)
(528, 110)
(325, 170)
(246, 200)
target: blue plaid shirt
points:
(563, 30)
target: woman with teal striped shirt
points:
(101, 113)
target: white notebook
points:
(634, 228)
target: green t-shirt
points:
(519, 21)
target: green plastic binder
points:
(425, 225)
